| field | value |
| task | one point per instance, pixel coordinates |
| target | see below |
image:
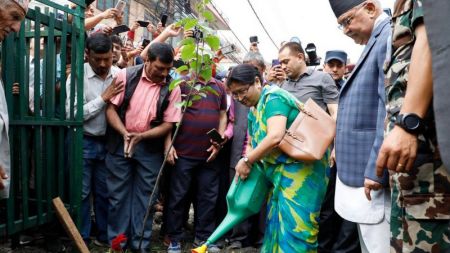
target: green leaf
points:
(174, 84)
(182, 68)
(188, 52)
(206, 2)
(196, 98)
(208, 16)
(193, 65)
(187, 41)
(207, 59)
(180, 104)
(199, 7)
(179, 23)
(206, 74)
(209, 89)
(190, 24)
(213, 42)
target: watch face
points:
(411, 122)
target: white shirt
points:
(5, 158)
(93, 105)
(351, 204)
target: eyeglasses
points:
(347, 21)
(240, 93)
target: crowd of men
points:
(388, 188)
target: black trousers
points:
(336, 234)
(202, 178)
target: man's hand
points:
(254, 47)
(109, 13)
(398, 151)
(113, 89)
(214, 152)
(151, 28)
(134, 139)
(172, 30)
(107, 30)
(124, 53)
(172, 156)
(135, 52)
(276, 74)
(242, 170)
(3, 176)
(119, 18)
(126, 143)
(188, 34)
(159, 28)
(332, 159)
(135, 26)
(370, 185)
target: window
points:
(106, 4)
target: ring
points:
(400, 165)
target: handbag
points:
(311, 133)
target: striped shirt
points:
(202, 116)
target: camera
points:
(312, 55)
(197, 34)
(254, 39)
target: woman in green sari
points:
(298, 188)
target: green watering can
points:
(244, 199)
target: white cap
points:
(23, 3)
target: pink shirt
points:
(142, 108)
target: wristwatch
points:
(247, 162)
(410, 122)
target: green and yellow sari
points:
(298, 187)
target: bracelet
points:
(247, 162)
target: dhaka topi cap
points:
(23, 3)
(336, 55)
(340, 7)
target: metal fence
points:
(46, 144)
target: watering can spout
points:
(244, 198)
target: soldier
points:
(419, 180)
(11, 15)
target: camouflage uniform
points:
(420, 217)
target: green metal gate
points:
(46, 144)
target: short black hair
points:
(294, 47)
(162, 51)
(116, 40)
(243, 74)
(99, 43)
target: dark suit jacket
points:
(438, 31)
(361, 113)
(239, 132)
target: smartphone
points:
(143, 23)
(164, 19)
(120, 29)
(120, 6)
(215, 136)
(275, 62)
(254, 39)
(145, 42)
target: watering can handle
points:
(234, 186)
